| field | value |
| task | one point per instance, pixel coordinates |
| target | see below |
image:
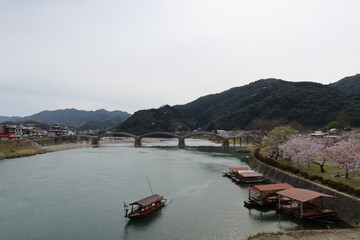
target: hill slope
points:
(164, 119)
(349, 85)
(80, 119)
(308, 103)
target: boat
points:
(248, 177)
(145, 206)
(266, 195)
(306, 204)
(233, 171)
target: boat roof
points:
(148, 200)
(239, 169)
(302, 195)
(270, 187)
(250, 174)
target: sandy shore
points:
(66, 146)
(331, 234)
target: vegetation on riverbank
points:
(312, 173)
(262, 233)
(320, 234)
(14, 149)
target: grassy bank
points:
(313, 173)
(13, 149)
(330, 172)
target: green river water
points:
(79, 194)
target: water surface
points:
(79, 194)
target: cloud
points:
(140, 54)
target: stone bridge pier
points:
(225, 143)
(138, 142)
(95, 141)
(181, 142)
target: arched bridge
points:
(181, 138)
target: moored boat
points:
(145, 206)
(248, 177)
(266, 195)
(306, 204)
(233, 171)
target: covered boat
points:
(306, 204)
(145, 206)
(233, 171)
(248, 177)
(266, 195)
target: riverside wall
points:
(346, 206)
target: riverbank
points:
(65, 146)
(16, 149)
(329, 234)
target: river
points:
(79, 194)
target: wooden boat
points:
(248, 177)
(305, 204)
(233, 171)
(145, 206)
(266, 195)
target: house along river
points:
(79, 194)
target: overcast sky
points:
(138, 54)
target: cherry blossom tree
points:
(305, 150)
(346, 153)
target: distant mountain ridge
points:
(307, 103)
(79, 119)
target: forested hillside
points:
(307, 103)
(349, 85)
(166, 119)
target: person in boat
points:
(126, 207)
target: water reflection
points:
(140, 224)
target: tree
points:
(343, 118)
(334, 124)
(346, 153)
(259, 128)
(278, 136)
(305, 150)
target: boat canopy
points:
(148, 200)
(302, 195)
(239, 169)
(250, 174)
(270, 187)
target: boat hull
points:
(146, 211)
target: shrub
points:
(351, 190)
(324, 181)
(305, 175)
(313, 177)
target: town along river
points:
(79, 194)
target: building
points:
(57, 130)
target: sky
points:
(131, 55)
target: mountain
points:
(164, 119)
(9, 119)
(349, 85)
(79, 119)
(308, 103)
